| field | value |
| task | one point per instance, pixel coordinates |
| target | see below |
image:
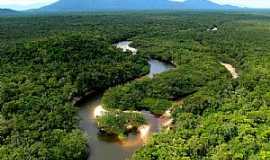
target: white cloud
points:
(246, 3)
(24, 4)
(243, 3)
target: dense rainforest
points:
(48, 60)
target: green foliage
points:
(120, 123)
(224, 119)
(38, 81)
(220, 118)
(157, 106)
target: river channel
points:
(104, 148)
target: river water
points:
(102, 148)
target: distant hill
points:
(97, 5)
(7, 11)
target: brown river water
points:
(107, 148)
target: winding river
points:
(102, 148)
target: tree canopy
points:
(46, 61)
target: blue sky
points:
(29, 4)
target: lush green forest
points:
(46, 61)
(39, 78)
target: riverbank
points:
(231, 69)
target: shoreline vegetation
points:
(223, 113)
(108, 119)
(120, 123)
